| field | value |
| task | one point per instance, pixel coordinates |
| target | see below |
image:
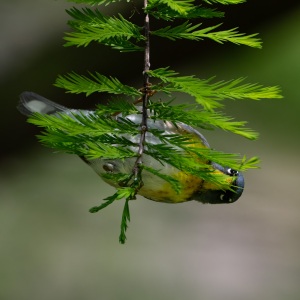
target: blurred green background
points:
(53, 248)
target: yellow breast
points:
(166, 193)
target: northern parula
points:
(154, 187)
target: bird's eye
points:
(232, 172)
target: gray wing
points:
(166, 126)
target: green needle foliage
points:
(100, 135)
(90, 25)
(97, 83)
(210, 95)
(189, 32)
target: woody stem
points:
(146, 93)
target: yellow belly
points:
(190, 184)
(166, 193)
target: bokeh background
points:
(51, 247)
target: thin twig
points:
(146, 94)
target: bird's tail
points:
(31, 102)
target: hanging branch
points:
(137, 168)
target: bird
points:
(154, 187)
